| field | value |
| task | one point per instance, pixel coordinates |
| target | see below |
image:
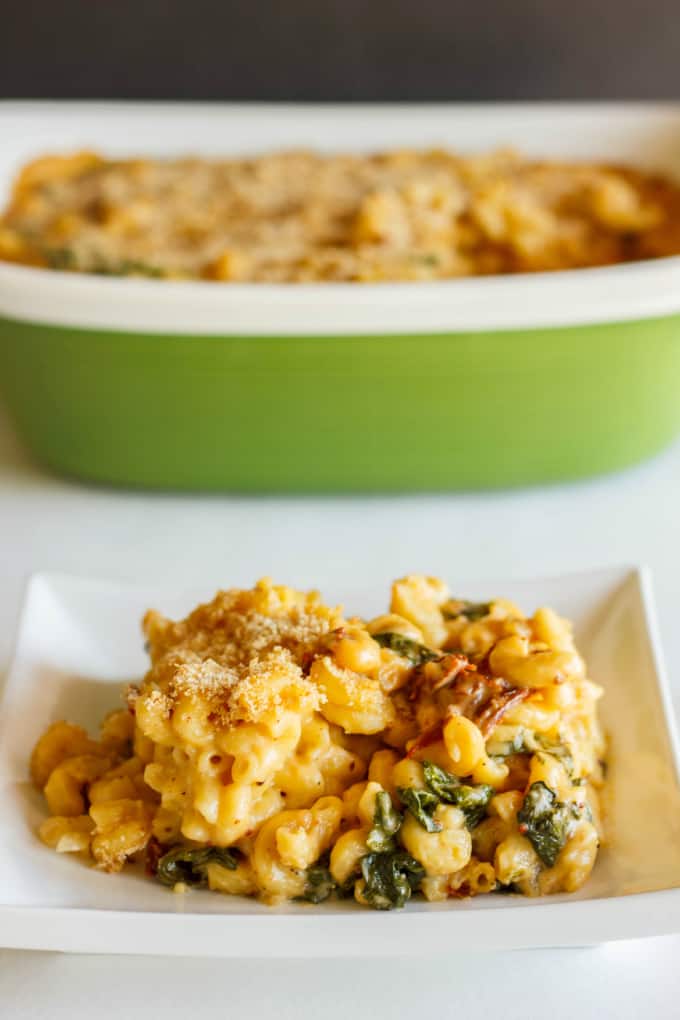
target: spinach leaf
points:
(416, 653)
(559, 751)
(184, 864)
(422, 805)
(386, 823)
(320, 884)
(390, 879)
(523, 742)
(426, 259)
(472, 800)
(472, 610)
(440, 781)
(127, 267)
(60, 258)
(545, 821)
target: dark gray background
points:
(340, 49)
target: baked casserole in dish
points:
(333, 298)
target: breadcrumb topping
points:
(243, 654)
(304, 216)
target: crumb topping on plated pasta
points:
(301, 216)
(279, 749)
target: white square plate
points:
(79, 642)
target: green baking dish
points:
(464, 384)
(330, 413)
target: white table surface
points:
(49, 524)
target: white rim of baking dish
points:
(623, 293)
(614, 294)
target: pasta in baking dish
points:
(277, 748)
(304, 216)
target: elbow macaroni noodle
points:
(276, 748)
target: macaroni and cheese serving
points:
(278, 748)
(297, 216)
